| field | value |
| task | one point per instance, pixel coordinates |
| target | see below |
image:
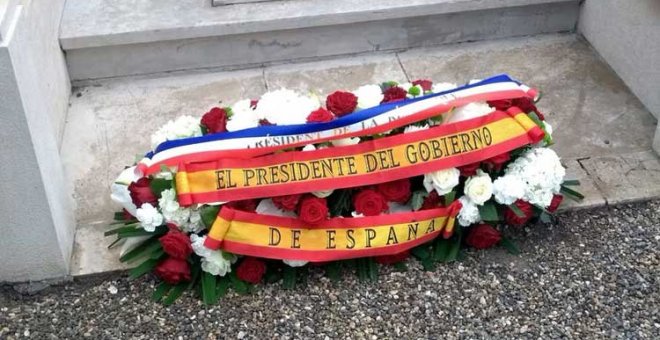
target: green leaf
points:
(333, 271)
(449, 197)
(516, 210)
(400, 266)
(571, 182)
(124, 229)
(417, 199)
(222, 287)
(488, 212)
(209, 213)
(239, 286)
(571, 193)
(421, 252)
(441, 249)
(509, 246)
(209, 295)
(454, 248)
(143, 268)
(160, 291)
(372, 269)
(428, 264)
(114, 243)
(158, 185)
(145, 249)
(545, 217)
(175, 292)
(289, 277)
(361, 269)
(340, 202)
(119, 216)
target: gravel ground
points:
(593, 275)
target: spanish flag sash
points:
(376, 161)
(277, 237)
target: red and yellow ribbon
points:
(275, 237)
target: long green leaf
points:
(209, 295)
(121, 229)
(516, 210)
(454, 248)
(333, 271)
(289, 277)
(449, 197)
(571, 193)
(441, 249)
(372, 269)
(509, 246)
(571, 182)
(145, 249)
(209, 213)
(239, 286)
(175, 293)
(421, 252)
(222, 287)
(143, 268)
(488, 212)
(158, 185)
(160, 291)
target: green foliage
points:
(509, 246)
(488, 212)
(158, 185)
(340, 203)
(417, 199)
(209, 213)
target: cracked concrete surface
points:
(603, 133)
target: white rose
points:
(345, 141)
(443, 181)
(368, 96)
(469, 213)
(508, 189)
(149, 217)
(469, 111)
(295, 263)
(442, 87)
(243, 116)
(479, 188)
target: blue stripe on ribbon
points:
(280, 130)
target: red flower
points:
(394, 94)
(369, 202)
(392, 259)
(176, 244)
(431, 201)
(141, 192)
(341, 103)
(496, 163)
(512, 219)
(319, 116)
(426, 85)
(173, 270)
(265, 122)
(469, 169)
(253, 103)
(554, 204)
(251, 270)
(215, 120)
(526, 104)
(483, 236)
(395, 191)
(312, 209)
(127, 216)
(501, 105)
(244, 205)
(288, 202)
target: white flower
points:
(322, 193)
(479, 188)
(368, 96)
(345, 141)
(413, 128)
(443, 181)
(469, 111)
(295, 263)
(469, 213)
(267, 207)
(309, 147)
(194, 223)
(149, 217)
(285, 107)
(442, 87)
(168, 175)
(356, 214)
(171, 209)
(243, 116)
(197, 243)
(182, 127)
(508, 189)
(216, 263)
(119, 189)
(398, 208)
(542, 173)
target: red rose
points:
(173, 270)
(501, 105)
(141, 192)
(394, 94)
(431, 201)
(469, 170)
(426, 85)
(395, 191)
(215, 120)
(244, 205)
(526, 104)
(496, 163)
(392, 259)
(483, 236)
(251, 270)
(512, 219)
(176, 244)
(369, 202)
(319, 116)
(265, 122)
(127, 215)
(312, 209)
(288, 202)
(253, 103)
(341, 103)
(554, 204)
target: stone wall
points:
(37, 228)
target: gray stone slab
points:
(311, 41)
(626, 177)
(323, 77)
(592, 111)
(592, 195)
(109, 126)
(91, 254)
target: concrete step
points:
(602, 131)
(110, 38)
